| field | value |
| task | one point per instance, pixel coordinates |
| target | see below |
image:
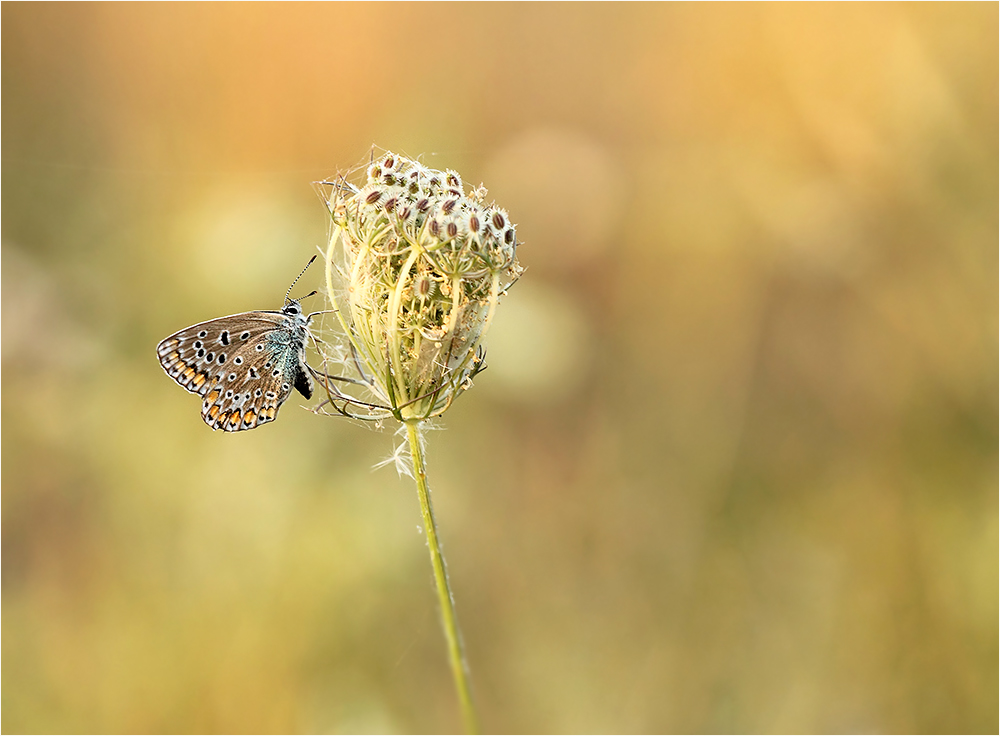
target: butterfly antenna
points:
(297, 279)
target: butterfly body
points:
(244, 366)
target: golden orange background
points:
(733, 466)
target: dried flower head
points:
(422, 266)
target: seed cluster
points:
(424, 265)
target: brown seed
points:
(423, 286)
(374, 196)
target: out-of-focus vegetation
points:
(733, 466)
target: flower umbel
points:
(423, 266)
(415, 269)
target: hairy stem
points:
(459, 669)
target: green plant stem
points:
(458, 667)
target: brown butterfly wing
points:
(244, 366)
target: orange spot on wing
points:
(234, 419)
(213, 412)
(270, 411)
(198, 380)
(249, 417)
(213, 396)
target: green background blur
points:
(733, 466)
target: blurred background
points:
(733, 466)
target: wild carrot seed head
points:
(424, 265)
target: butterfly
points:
(244, 366)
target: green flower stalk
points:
(415, 269)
